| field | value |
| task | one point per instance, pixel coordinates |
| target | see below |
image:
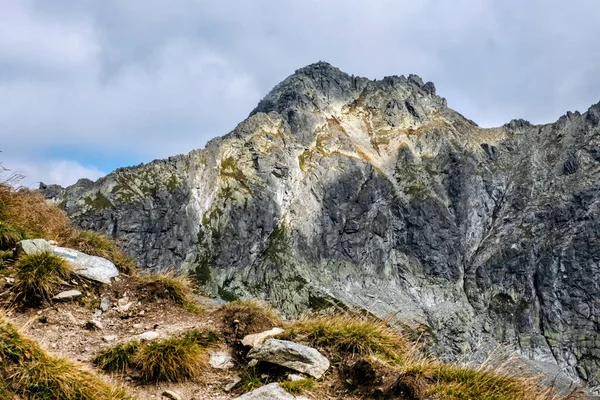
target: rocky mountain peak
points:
(341, 191)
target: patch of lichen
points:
(210, 219)
(278, 242)
(173, 183)
(98, 202)
(123, 189)
(229, 168)
(146, 181)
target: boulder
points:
(31, 246)
(258, 338)
(148, 336)
(271, 391)
(91, 267)
(67, 295)
(291, 355)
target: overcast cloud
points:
(91, 85)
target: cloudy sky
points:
(91, 85)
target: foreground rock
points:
(291, 355)
(67, 295)
(271, 391)
(258, 338)
(91, 267)
(171, 395)
(148, 336)
(221, 360)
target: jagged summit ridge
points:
(320, 83)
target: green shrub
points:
(38, 276)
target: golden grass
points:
(175, 287)
(170, 360)
(500, 382)
(118, 358)
(342, 337)
(27, 372)
(348, 335)
(38, 276)
(27, 211)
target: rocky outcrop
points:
(291, 355)
(91, 267)
(348, 192)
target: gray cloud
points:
(84, 81)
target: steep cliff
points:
(374, 194)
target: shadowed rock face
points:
(344, 191)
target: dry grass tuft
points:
(26, 371)
(38, 275)
(118, 358)
(348, 335)
(27, 212)
(177, 288)
(170, 360)
(427, 379)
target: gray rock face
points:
(291, 355)
(91, 267)
(347, 192)
(271, 391)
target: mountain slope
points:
(374, 194)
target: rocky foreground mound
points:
(340, 190)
